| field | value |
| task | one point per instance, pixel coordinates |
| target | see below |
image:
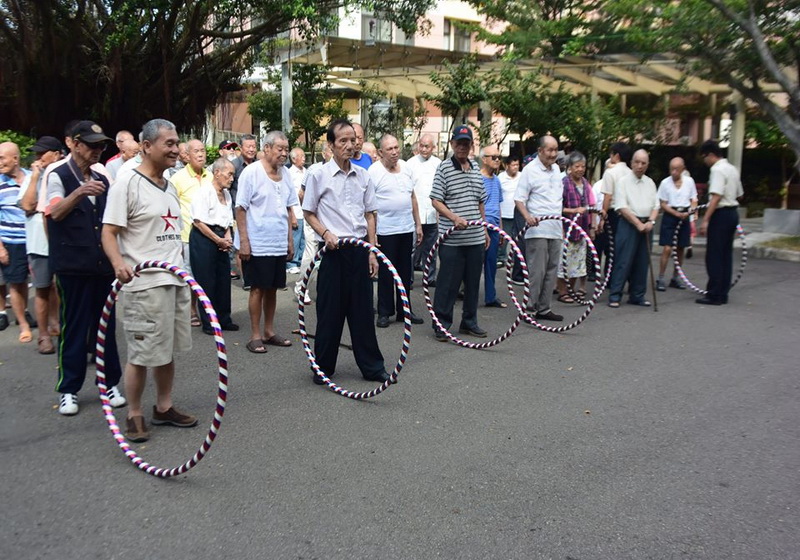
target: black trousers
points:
(398, 248)
(719, 252)
(344, 291)
(429, 234)
(212, 270)
(458, 264)
(519, 225)
(81, 301)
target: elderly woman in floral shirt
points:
(578, 199)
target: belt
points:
(681, 208)
(218, 230)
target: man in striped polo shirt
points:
(13, 256)
(458, 196)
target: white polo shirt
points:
(678, 197)
(637, 195)
(541, 190)
(725, 181)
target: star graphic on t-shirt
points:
(167, 219)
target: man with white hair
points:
(423, 167)
(297, 172)
(142, 222)
(636, 202)
(541, 193)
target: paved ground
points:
(638, 435)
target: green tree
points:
(121, 62)
(742, 43)
(462, 89)
(392, 115)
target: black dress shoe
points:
(440, 336)
(432, 284)
(317, 379)
(707, 301)
(230, 327)
(3, 322)
(29, 318)
(474, 331)
(550, 316)
(414, 319)
(381, 377)
(382, 322)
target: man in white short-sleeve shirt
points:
(423, 167)
(540, 193)
(636, 202)
(339, 201)
(143, 222)
(398, 220)
(264, 236)
(720, 222)
(677, 194)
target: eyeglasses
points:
(494, 158)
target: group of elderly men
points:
(189, 217)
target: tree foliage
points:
(461, 88)
(531, 105)
(314, 103)
(742, 43)
(392, 115)
(121, 62)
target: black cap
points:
(46, 144)
(88, 131)
(462, 132)
(227, 145)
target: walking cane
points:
(652, 276)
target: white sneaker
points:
(68, 405)
(115, 398)
(294, 270)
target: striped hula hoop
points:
(222, 359)
(406, 321)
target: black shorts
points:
(16, 271)
(667, 233)
(265, 272)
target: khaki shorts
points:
(157, 324)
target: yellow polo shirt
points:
(187, 182)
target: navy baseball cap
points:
(88, 131)
(462, 132)
(46, 144)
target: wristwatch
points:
(653, 222)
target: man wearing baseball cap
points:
(458, 196)
(227, 149)
(76, 197)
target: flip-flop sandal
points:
(54, 331)
(497, 303)
(565, 298)
(25, 337)
(276, 340)
(196, 322)
(581, 294)
(256, 347)
(46, 345)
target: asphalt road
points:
(637, 435)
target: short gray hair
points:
(152, 129)
(220, 164)
(575, 157)
(273, 136)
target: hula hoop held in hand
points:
(406, 321)
(526, 292)
(598, 289)
(222, 359)
(679, 269)
(563, 265)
